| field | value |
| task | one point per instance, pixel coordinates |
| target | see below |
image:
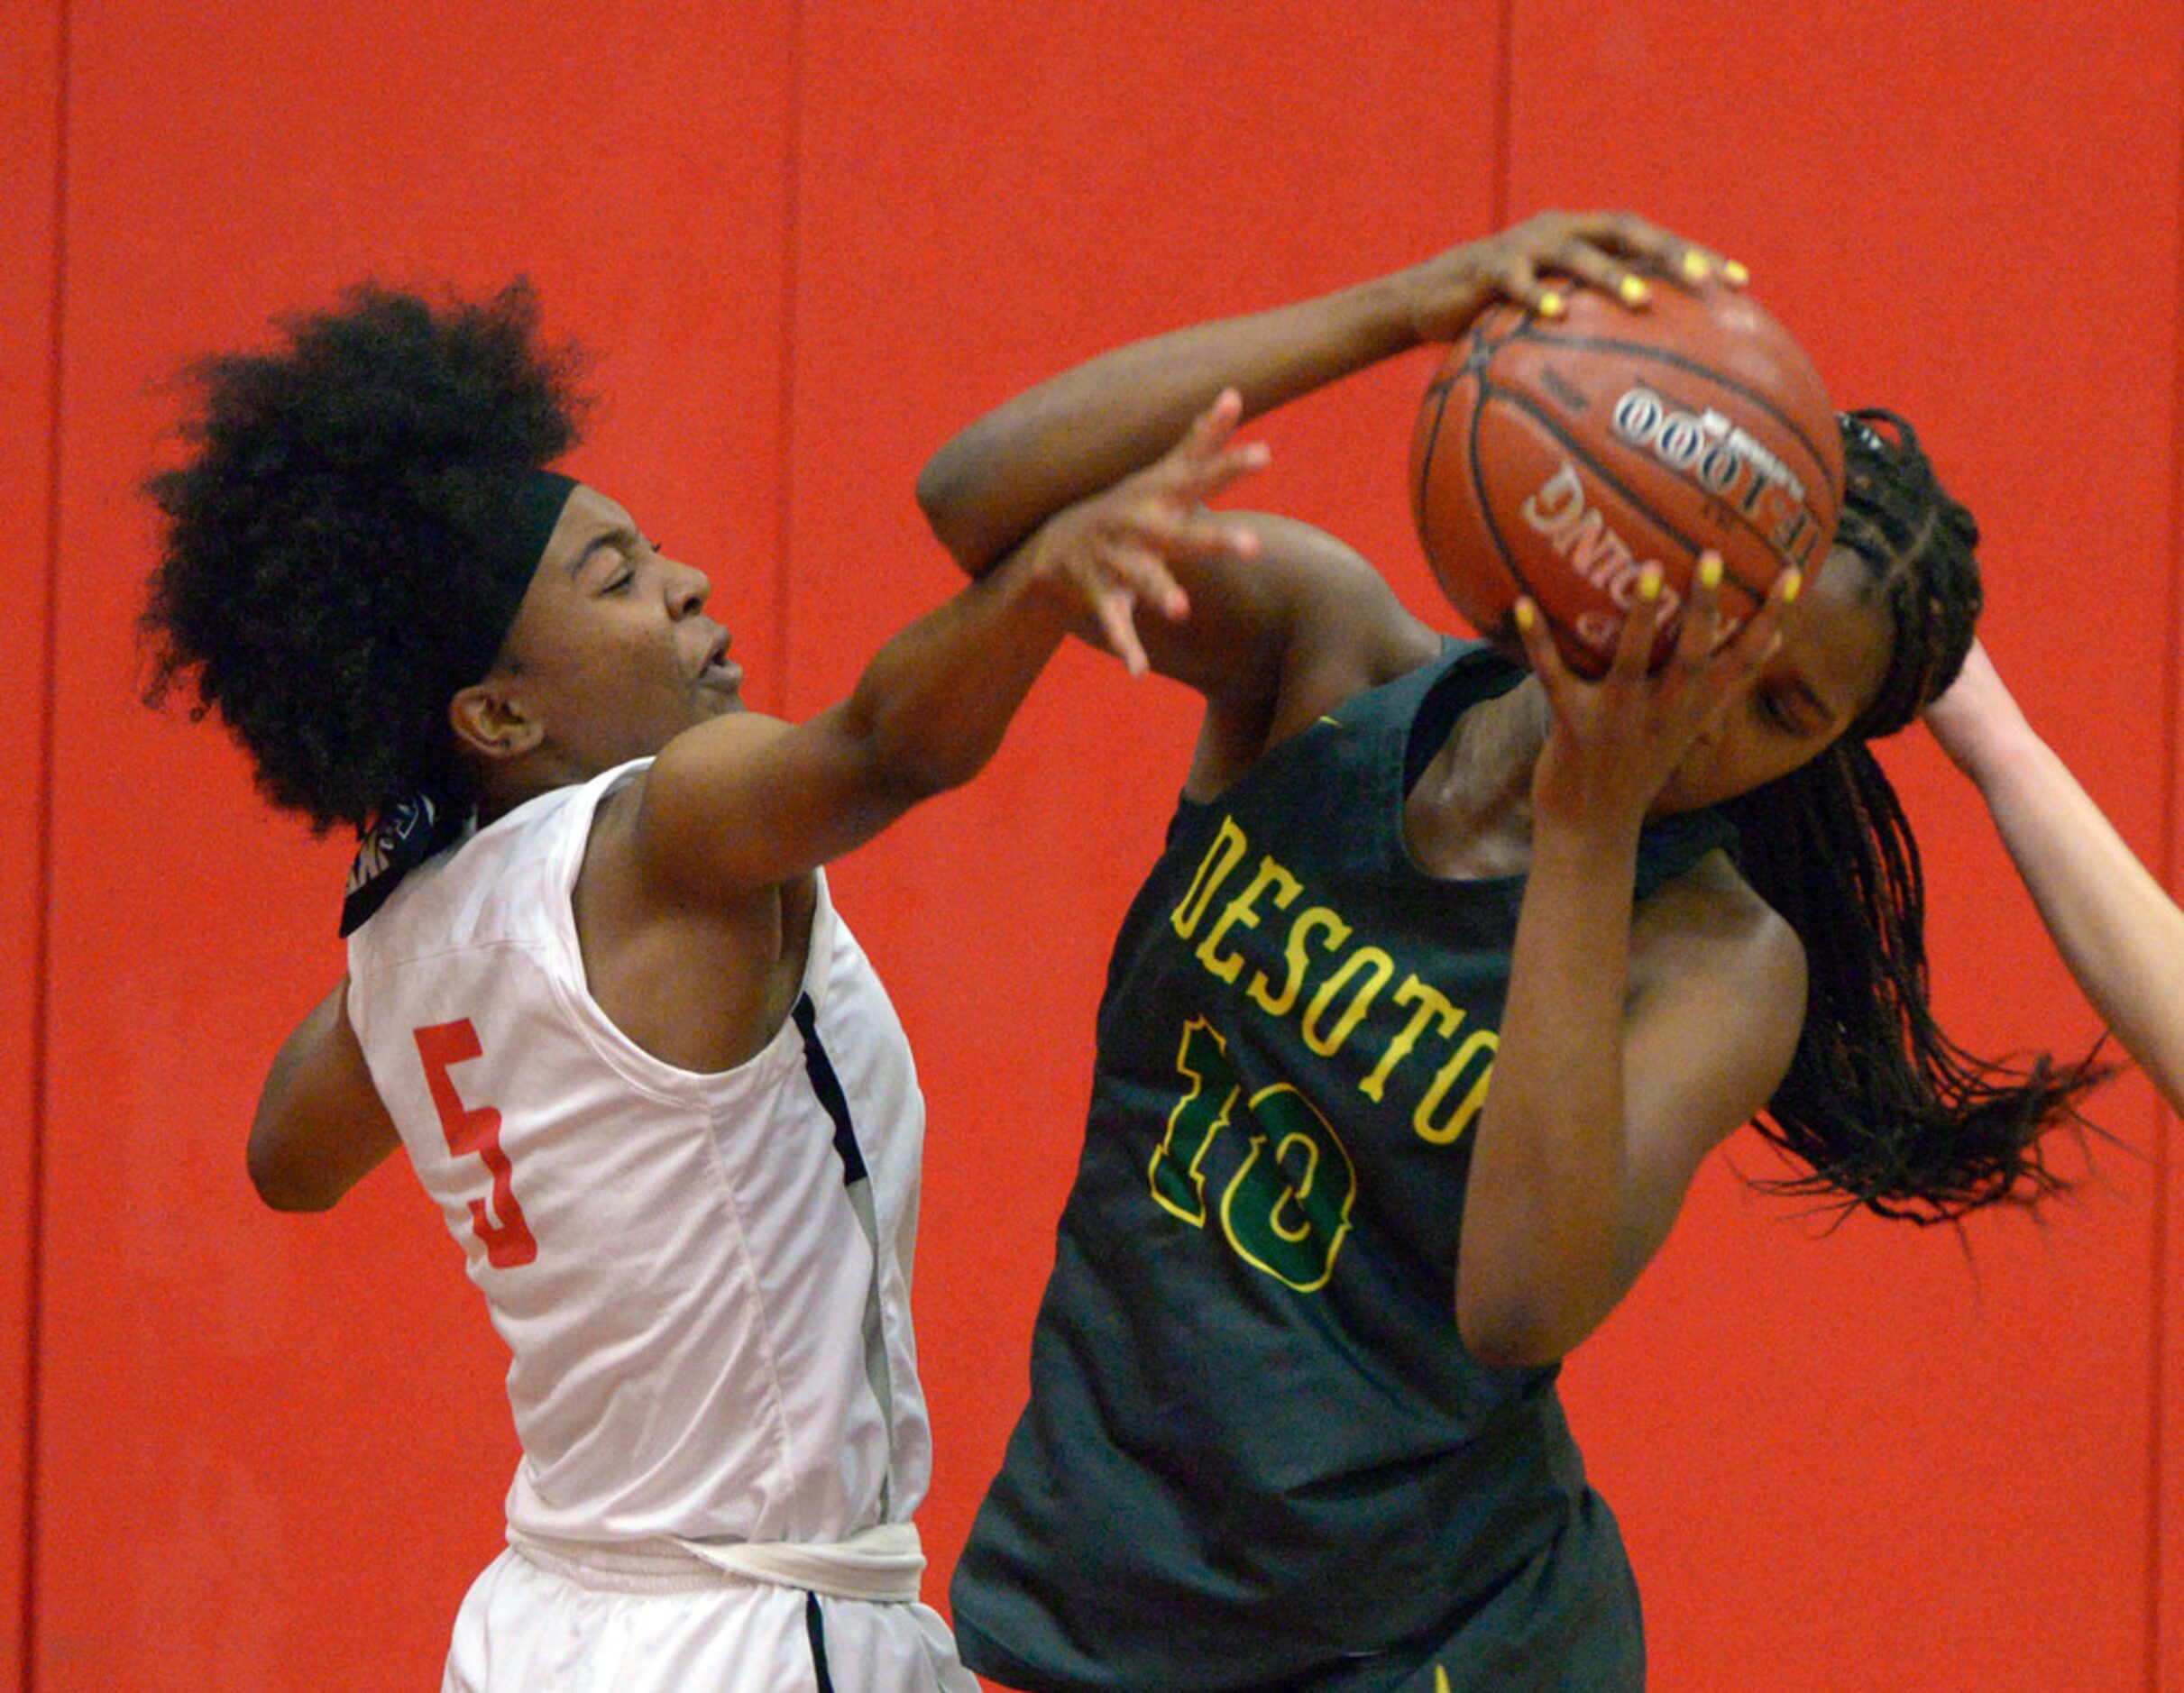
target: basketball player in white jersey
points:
(597, 989)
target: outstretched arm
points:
(1307, 624)
(989, 486)
(738, 804)
(1628, 1048)
(2122, 935)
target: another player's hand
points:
(1615, 742)
(1977, 720)
(1534, 263)
(1109, 553)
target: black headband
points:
(413, 826)
(533, 510)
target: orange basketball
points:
(1555, 457)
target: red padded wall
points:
(1878, 1456)
(275, 1448)
(1023, 190)
(2166, 1425)
(30, 134)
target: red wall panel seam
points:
(784, 525)
(1505, 84)
(2173, 681)
(41, 948)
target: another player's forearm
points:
(933, 704)
(996, 481)
(1542, 1261)
(319, 1128)
(2122, 935)
(740, 803)
(937, 700)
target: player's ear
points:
(492, 719)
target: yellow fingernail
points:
(1550, 305)
(1737, 274)
(1793, 584)
(1710, 570)
(1695, 266)
(1649, 584)
(1526, 616)
(1634, 291)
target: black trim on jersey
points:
(857, 1183)
(824, 1084)
(815, 1629)
(1448, 698)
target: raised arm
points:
(740, 803)
(1628, 1050)
(2122, 935)
(1054, 444)
(1308, 622)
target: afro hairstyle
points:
(322, 582)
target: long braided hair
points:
(1882, 1104)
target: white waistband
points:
(884, 1563)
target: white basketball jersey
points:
(704, 1280)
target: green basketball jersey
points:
(1256, 1453)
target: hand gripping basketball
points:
(1616, 740)
(1558, 457)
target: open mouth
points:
(721, 671)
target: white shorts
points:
(526, 1630)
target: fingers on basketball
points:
(1634, 642)
(1540, 653)
(1518, 280)
(1763, 633)
(1551, 459)
(1593, 266)
(1700, 632)
(1655, 249)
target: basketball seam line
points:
(1439, 392)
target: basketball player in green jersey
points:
(1296, 1358)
